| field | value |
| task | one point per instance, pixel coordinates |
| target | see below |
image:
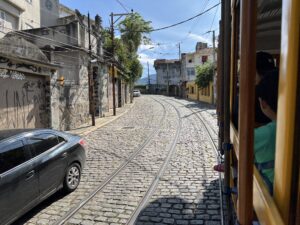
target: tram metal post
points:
(226, 99)
(246, 110)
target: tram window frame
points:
(236, 68)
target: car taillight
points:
(82, 142)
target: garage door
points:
(23, 102)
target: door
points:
(18, 180)
(50, 161)
(23, 103)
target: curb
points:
(107, 122)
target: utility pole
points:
(148, 77)
(168, 79)
(179, 56)
(214, 47)
(90, 77)
(113, 65)
(113, 55)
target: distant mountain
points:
(144, 80)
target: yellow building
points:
(197, 94)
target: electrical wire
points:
(193, 25)
(214, 18)
(122, 5)
(184, 21)
(33, 36)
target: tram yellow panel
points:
(263, 203)
(286, 105)
(234, 138)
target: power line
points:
(214, 18)
(193, 25)
(33, 36)
(179, 23)
(184, 21)
(39, 38)
(122, 5)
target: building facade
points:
(25, 92)
(169, 77)
(189, 62)
(67, 45)
(27, 14)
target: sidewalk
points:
(85, 129)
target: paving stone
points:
(187, 191)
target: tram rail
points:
(214, 146)
(160, 173)
(116, 172)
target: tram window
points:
(236, 69)
(268, 34)
(265, 136)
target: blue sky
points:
(161, 13)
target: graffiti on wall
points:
(15, 75)
(22, 103)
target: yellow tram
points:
(247, 27)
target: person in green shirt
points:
(265, 136)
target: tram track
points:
(159, 174)
(114, 174)
(213, 144)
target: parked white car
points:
(136, 93)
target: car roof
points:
(13, 132)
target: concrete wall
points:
(203, 95)
(31, 16)
(193, 95)
(49, 12)
(169, 73)
(206, 95)
(20, 15)
(11, 21)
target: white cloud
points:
(197, 37)
(144, 58)
(145, 47)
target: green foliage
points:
(136, 69)
(132, 30)
(204, 74)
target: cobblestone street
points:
(153, 165)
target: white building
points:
(27, 14)
(190, 61)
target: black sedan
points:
(34, 164)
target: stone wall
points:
(101, 85)
(70, 102)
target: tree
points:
(132, 29)
(204, 74)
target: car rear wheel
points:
(72, 177)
